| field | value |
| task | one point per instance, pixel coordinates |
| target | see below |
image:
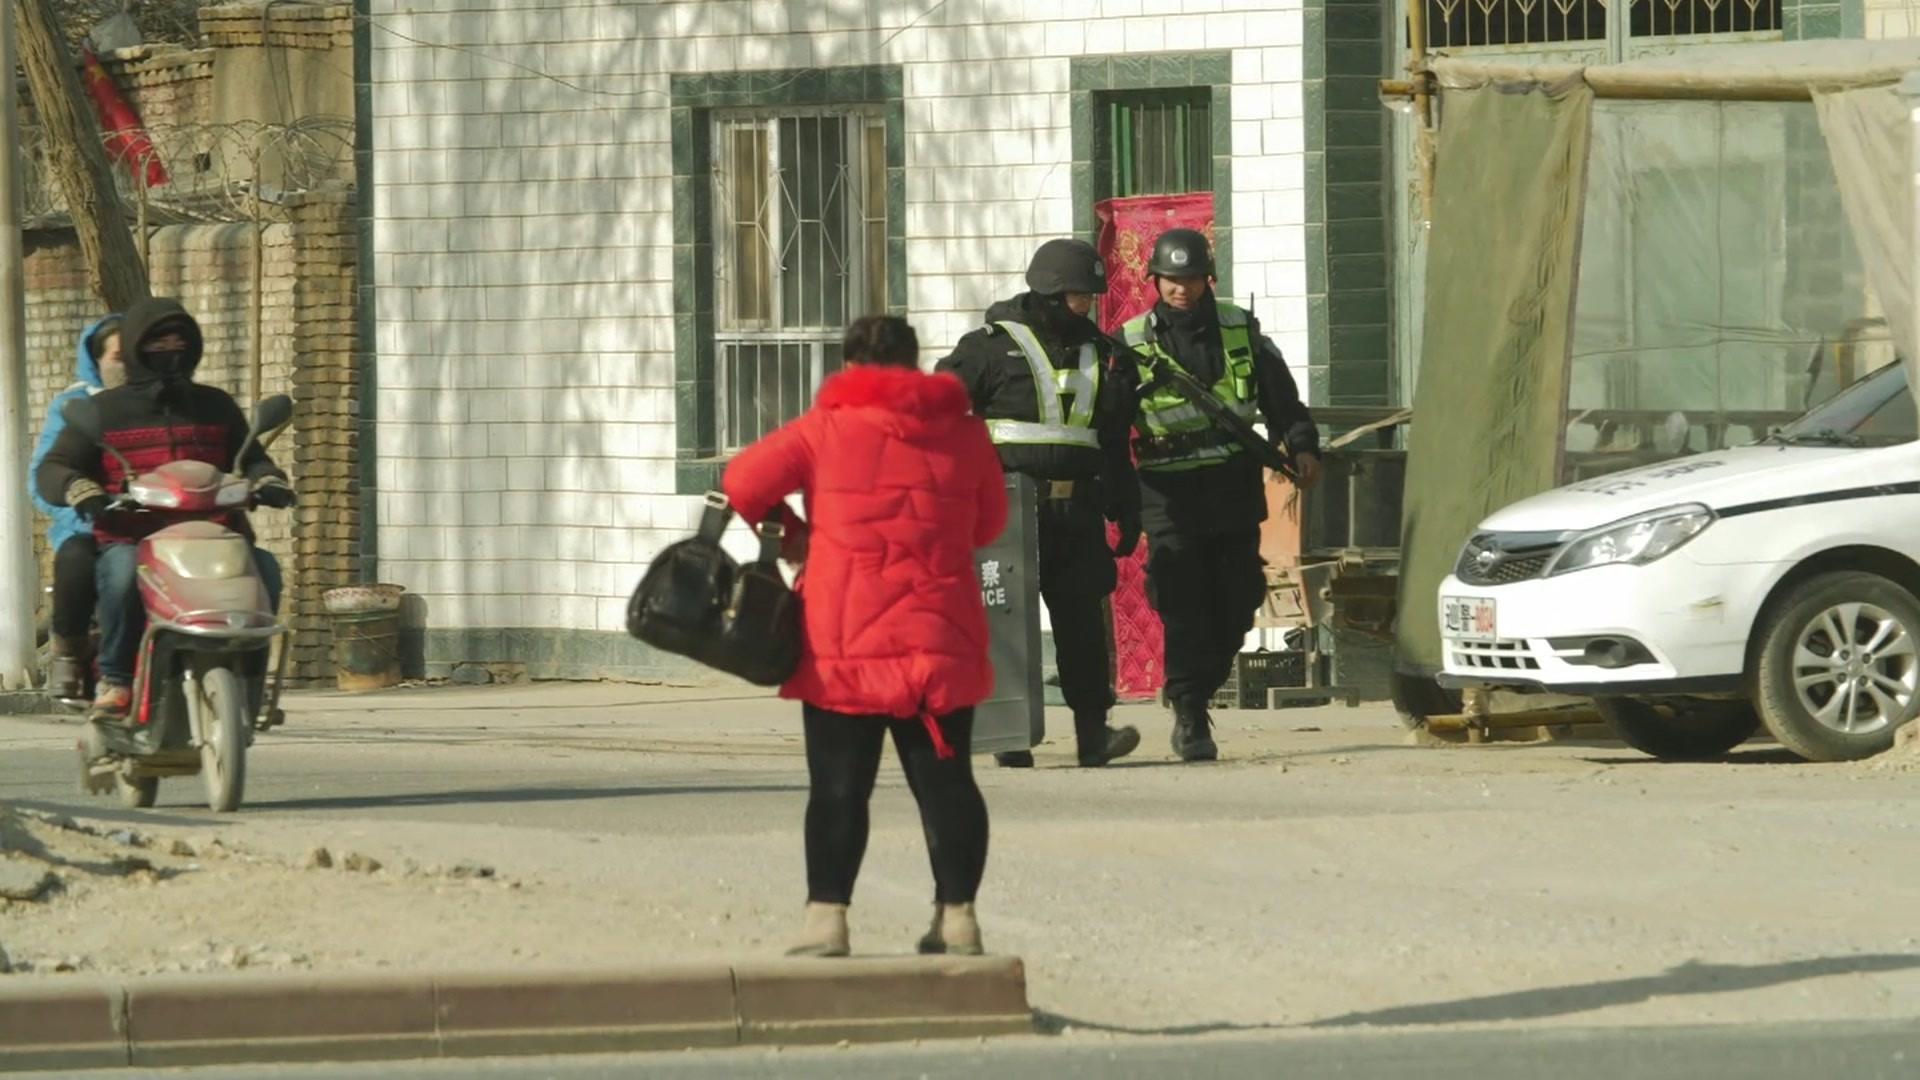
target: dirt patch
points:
(84, 896)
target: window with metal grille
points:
(800, 217)
(1453, 24)
(1156, 142)
(1674, 18)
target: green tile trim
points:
(365, 332)
(1093, 75)
(694, 97)
(1348, 306)
(1802, 20)
(698, 476)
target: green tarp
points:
(1506, 228)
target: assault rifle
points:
(1203, 398)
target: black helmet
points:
(1181, 253)
(1067, 266)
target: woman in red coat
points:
(901, 485)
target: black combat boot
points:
(1192, 730)
(1015, 759)
(1099, 743)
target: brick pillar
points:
(327, 522)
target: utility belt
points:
(1181, 444)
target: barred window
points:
(1156, 142)
(1453, 24)
(800, 212)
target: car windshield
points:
(1876, 411)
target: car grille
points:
(1491, 560)
(1493, 655)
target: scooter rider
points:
(160, 415)
(97, 367)
(1202, 491)
(1057, 414)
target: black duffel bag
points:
(697, 602)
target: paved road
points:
(1327, 873)
(1782, 1052)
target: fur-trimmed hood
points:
(905, 392)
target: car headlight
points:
(1636, 541)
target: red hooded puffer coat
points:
(901, 486)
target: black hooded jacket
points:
(160, 415)
(998, 379)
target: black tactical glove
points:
(271, 491)
(91, 507)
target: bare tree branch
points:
(114, 269)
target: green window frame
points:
(704, 107)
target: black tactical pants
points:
(1207, 587)
(1077, 575)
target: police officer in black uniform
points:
(1040, 380)
(1202, 492)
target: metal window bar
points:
(1455, 24)
(800, 249)
(1160, 142)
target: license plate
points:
(1469, 619)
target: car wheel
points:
(1417, 697)
(1680, 729)
(1838, 669)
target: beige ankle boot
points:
(824, 932)
(955, 932)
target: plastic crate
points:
(1254, 673)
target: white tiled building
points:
(575, 209)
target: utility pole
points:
(18, 574)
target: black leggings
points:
(73, 588)
(843, 757)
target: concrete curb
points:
(287, 1018)
(25, 703)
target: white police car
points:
(1697, 599)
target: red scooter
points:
(200, 686)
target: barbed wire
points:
(235, 171)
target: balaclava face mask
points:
(1061, 324)
(166, 350)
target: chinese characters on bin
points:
(993, 593)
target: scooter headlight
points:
(1636, 541)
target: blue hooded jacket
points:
(67, 522)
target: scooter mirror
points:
(271, 415)
(269, 418)
(84, 417)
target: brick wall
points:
(531, 399)
(308, 322)
(321, 448)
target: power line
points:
(873, 53)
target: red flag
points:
(127, 139)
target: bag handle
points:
(713, 523)
(772, 538)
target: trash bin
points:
(366, 635)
